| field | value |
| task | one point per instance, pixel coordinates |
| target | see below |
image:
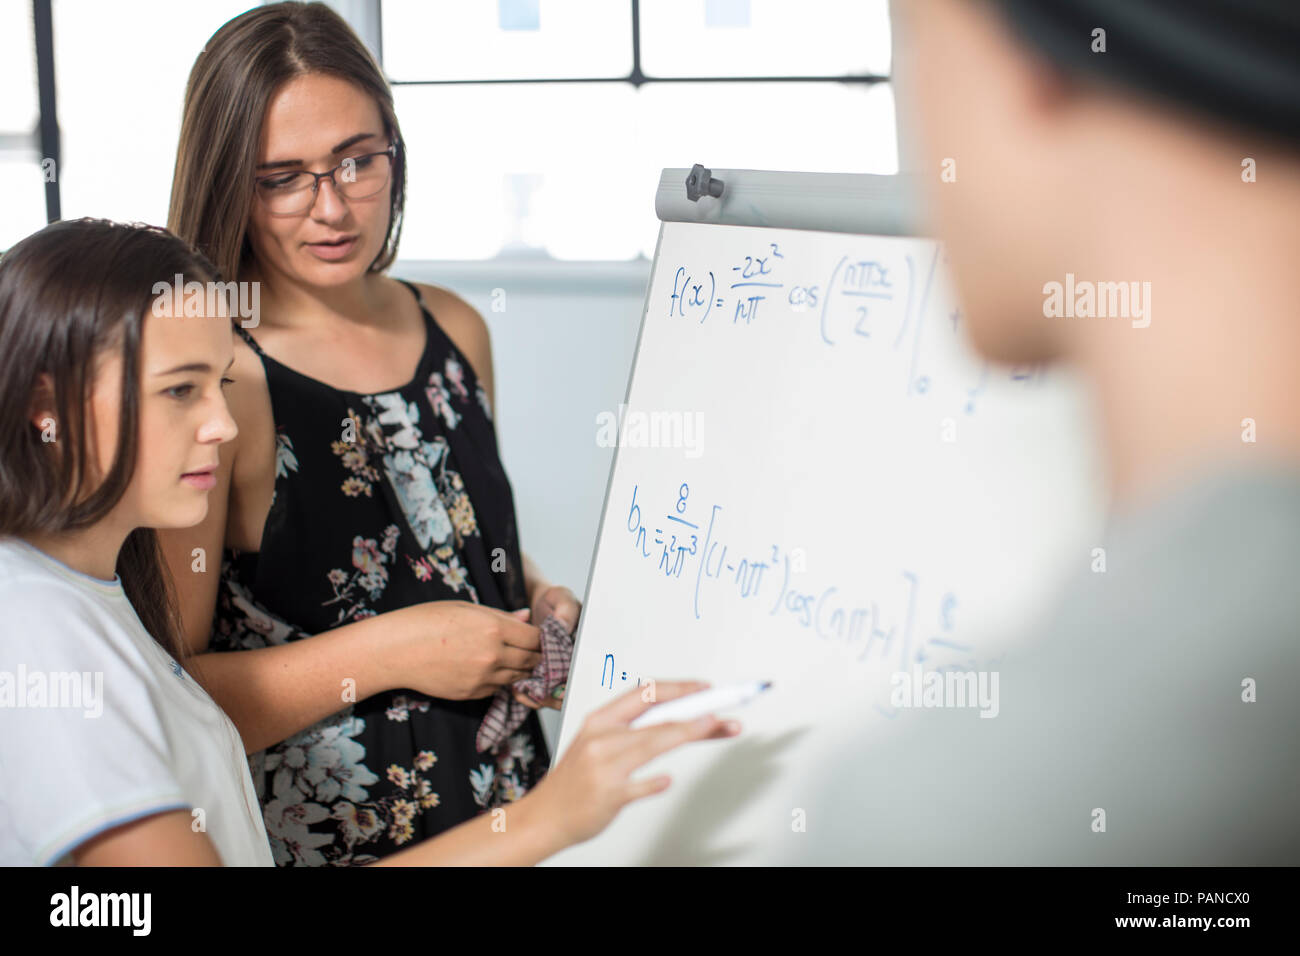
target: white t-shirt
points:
(100, 726)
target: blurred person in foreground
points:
(1152, 717)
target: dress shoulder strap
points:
(252, 342)
(415, 291)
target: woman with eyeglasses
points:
(357, 593)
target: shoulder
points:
(249, 401)
(28, 581)
(463, 325)
(54, 625)
(249, 377)
(24, 589)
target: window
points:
(535, 128)
(541, 126)
(22, 193)
(120, 72)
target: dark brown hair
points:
(1232, 62)
(69, 294)
(232, 82)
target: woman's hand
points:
(591, 784)
(555, 703)
(458, 650)
(559, 601)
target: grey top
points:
(1129, 699)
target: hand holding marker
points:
(703, 702)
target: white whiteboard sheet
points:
(855, 492)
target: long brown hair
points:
(232, 82)
(69, 294)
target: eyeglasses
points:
(360, 177)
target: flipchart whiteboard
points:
(817, 482)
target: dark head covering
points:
(1234, 60)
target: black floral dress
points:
(381, 502)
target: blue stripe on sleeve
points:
(110, 824)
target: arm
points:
(269, 693)
(535, 582)
(450, 649)
(272, 693)
(579, 798)
(162, 840)
(518, 835)
(572, 804)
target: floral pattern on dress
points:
(512, 754)
(386, 771)
(320, 766)
(321, 775)
(402, 706)
(318, 775)
(285, 460)
(451, 380)
(498, 783)
(439, 395)
(431, 494)
(355, 457)
(242, 623)
(369, 575)
(417, 794)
